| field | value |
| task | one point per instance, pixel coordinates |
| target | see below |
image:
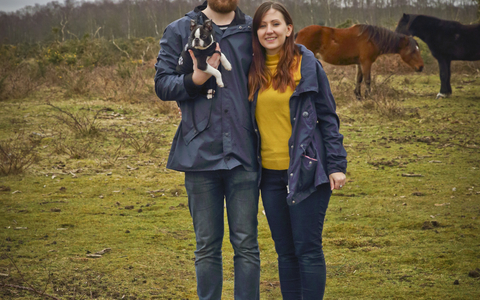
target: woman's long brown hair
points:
(259, 76)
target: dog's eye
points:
(203, 37)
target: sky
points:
(14, 5)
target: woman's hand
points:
(199, 77)
(337, 180)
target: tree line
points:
(148, 18)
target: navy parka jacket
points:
(216, 133)
(315, 146)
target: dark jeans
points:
(297, 233)
(208, 192)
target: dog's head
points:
(201, 36)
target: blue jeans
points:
(208, 191)
(297, 233)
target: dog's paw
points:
(225, 63)
(219, 81)
(227, 66)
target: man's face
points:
(222, 6)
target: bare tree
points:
(148, 18)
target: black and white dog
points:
(202, 43)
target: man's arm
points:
(170, 85)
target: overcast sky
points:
(13, 5)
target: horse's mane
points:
(435, 20)
(386, 40)
(441, 23)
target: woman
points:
(300, 147)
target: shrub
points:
(427, 57)
(18, 153)
(142, 141)
(73, 147)
(75, 82)
(18, 81)
(82, 122)
(385, 100)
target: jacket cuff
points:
(191, 88)
(341, 167)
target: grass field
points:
(405, 226)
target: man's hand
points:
(199, 77)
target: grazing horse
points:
(447, 40)
(361, 45)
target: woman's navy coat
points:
(316, 146)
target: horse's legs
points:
(358, 89)
(445, 88)
(367, 68)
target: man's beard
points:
(222, 6)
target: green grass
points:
(386, 236)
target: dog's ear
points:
(193, 23)
(208, 24)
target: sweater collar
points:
(272, 60)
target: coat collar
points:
(308, 69)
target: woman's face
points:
(273, 31)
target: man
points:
(215, 146)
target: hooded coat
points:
(315, 145)
(216, 131)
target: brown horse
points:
(361, 45)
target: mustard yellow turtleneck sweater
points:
(273, 119)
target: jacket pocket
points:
(189, 135)
(308, 166)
